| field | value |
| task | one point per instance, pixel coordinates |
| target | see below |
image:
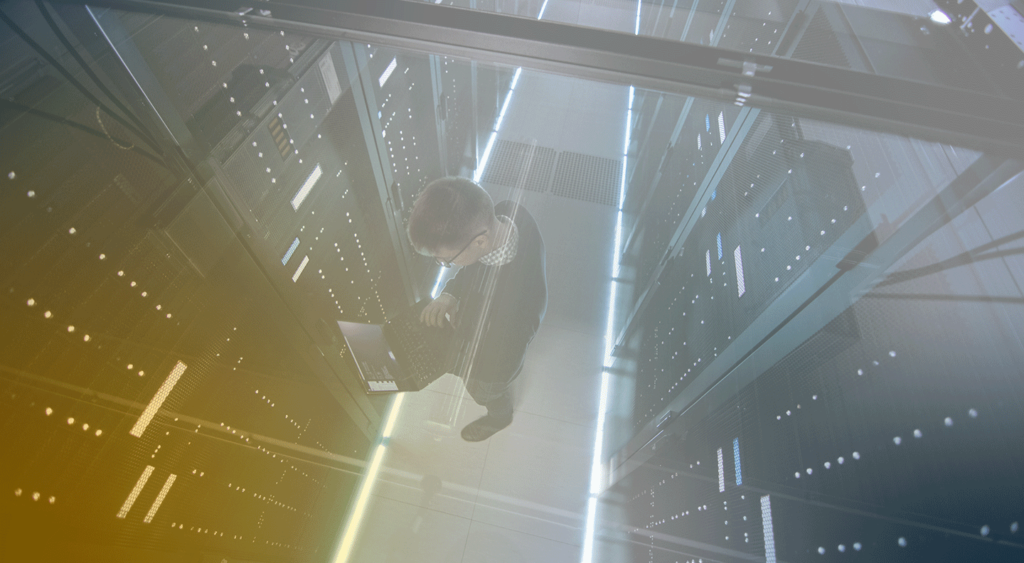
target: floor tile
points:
(492, 544)
(561, 376)
(396, 532)
(424, 443)
(541, 460)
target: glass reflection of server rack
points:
(813, 202)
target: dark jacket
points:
(520, 299)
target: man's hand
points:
(433, 315)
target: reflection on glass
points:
(184, 224)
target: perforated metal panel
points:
(587, 178)
(510, 160)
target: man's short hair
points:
(447, 213)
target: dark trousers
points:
(498, 363)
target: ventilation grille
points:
(819, 44)
(508, 161)
(588, 178)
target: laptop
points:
(400, 355)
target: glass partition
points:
(809, 333)
(898, 39)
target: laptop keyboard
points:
(422, 350)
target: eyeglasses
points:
(448, 263)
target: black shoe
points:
(483, 428)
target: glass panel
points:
(169, 383)
(898, 39)
(767, 336)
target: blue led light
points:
(707, 123)
(291, 250)
(719, 246)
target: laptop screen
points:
(373, 356)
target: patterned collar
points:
(505, 254)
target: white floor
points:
(522, 494)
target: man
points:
(497, 300)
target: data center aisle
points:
(521, 495)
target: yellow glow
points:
(348, 540)
(393, 416)
(352, 528)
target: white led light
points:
(486, 156)
(158, 400)
(721, 472)
(307, 186)
(636, 30)
(721, 126)
(741, 286)
(387, 72)
(939, 17)
(542, 8)
(515, 78)
(128, 502)
(393, 416)
(160, 498)
(302, 266)
(707, 261)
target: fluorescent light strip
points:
(736, 460)
(608, 334)
(158, 400)
(769, 535)
(485, 157)
(508, 99)
(721, 472)
(741, 284)
(497, 125)
(501, 115)
(719, 246)
(721, 127)
(302, 266)
(707, 261)
(349, 539)
(629, 121)
(636, 31)
(291, 250)
(307, 186)
(588, 535)
(159, 498)
(698, 143)
(437, 284)
(387, 72)
(393, 415)
(542, 8)
(369, 480)
(128, 502)
(597, 468)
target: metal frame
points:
(799, 21)
(932, 112)
(357, 65)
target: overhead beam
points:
(932, 112)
